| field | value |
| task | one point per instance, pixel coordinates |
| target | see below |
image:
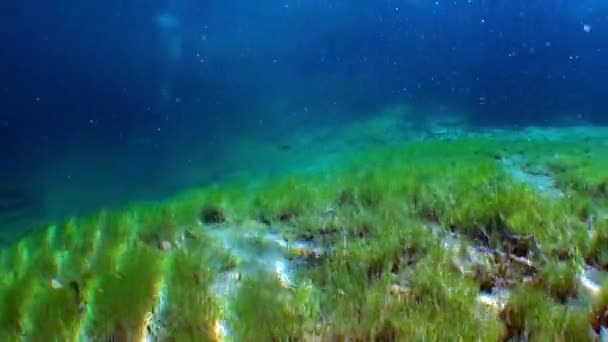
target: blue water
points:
(105, 102)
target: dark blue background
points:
(82, 80)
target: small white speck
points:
(281, 272)
(56, 284)
(158, 129)
(483, 21)
(396, 9)
(587, 28)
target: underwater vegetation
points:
(491, 238)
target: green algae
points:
(15, 297)
(531, 314)
(121, 299)
(192, 311)
(384, 272)
(264, 310)
(559, 279)
(439, 295)
(55, 312)
(158, 225)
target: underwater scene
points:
(304, 170)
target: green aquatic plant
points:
(186, 206)
(370, 191)
(15, 299)
(211, 252)
(34, 255)
(55, 312)
(65, 235)
(287, 200)
(581, 206)
(355, 279)
(560, 280)
(322, 227)
(582, 170)
(597, 254)
(228, 202)
(123, 297)
(362, 308)
(530, 314)
(158, 226)
(191, 312)
(438, 294)
(115, 237)
(383, 269)
(80, 235)
(361, 315)
(556, 231)
(392, 246)
(224, 204)
(263, 310)
(76, 245)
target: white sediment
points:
(154, 327)
(541, 181)
(589, 281)
(593, 288)
(495, 300)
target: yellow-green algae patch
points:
(122, 299)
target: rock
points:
(212, 215)
(56, 284)
(497, 300)
(603, 334)
(398, 290)
(328, 212)
(165, 245)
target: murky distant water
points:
(110, 102)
